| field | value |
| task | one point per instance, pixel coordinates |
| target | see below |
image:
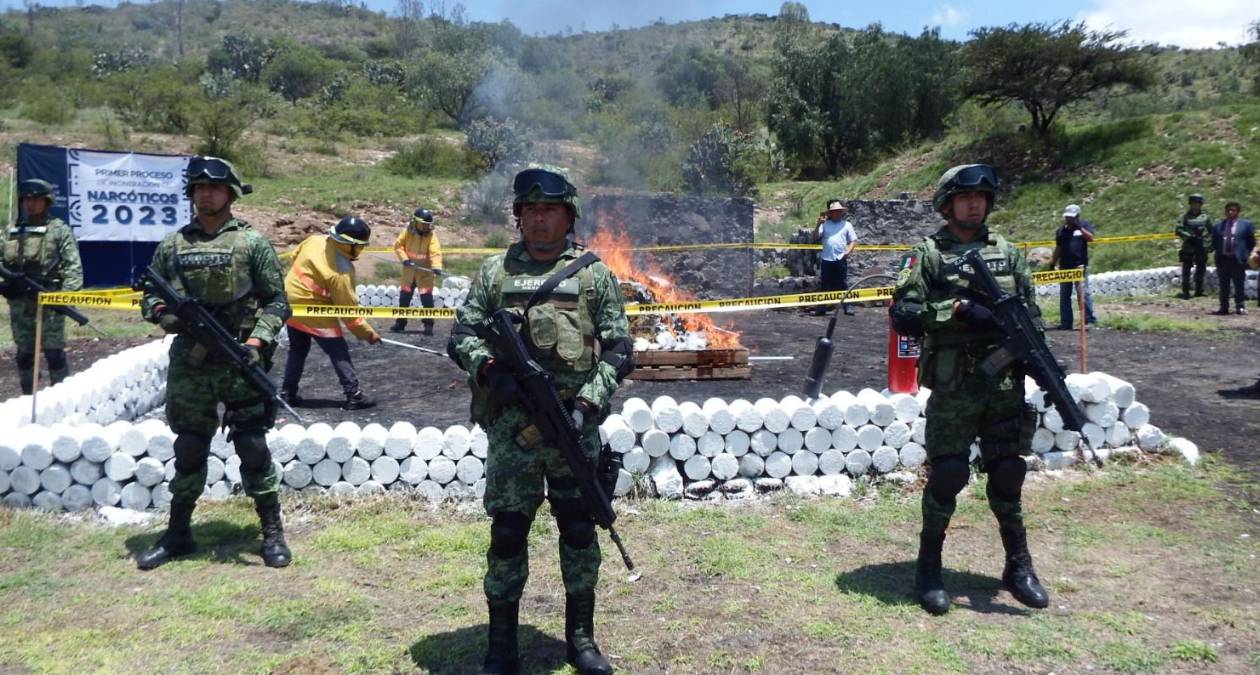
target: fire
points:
(614, 250)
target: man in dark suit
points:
(1233, 240)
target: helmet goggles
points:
(208, 167)
(549, 183)
(975, 176)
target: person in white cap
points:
(838, 241)
(1071, 250)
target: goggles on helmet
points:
(551, 184)
(208, 167)
(976, 175)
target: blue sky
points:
(1197, 23)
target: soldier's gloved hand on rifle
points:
(255, 356)
(498, 378)
(169, 322)
(581, 411)
(974, 314)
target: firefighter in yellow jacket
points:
(323, 274)
(420, 253)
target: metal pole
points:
(39, 344)
(1080, 303)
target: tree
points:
(407, 33)
(1044, 67)
(243, 55)
(1251, 50)
(447, 81)
(297, 73)
(795, 12)
(718, 163)
(689, 75)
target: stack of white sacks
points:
(669, 449)
(451, 293)
(1144, 282)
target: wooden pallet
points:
(706, 364)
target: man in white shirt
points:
(838, 240)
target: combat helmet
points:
(37, 187)
(544, 186)
(215, 171)
(1195, 198)
(965, 178)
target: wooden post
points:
(39, 344)
(1080, 304)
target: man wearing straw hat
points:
(838, 240)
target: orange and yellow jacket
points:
(322, 274)
(425, 250)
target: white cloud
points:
(1192, 25)
(947, 15)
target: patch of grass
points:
(1148, 323)
(1193, 650)
(111, 324)
(732, 556)
(1130, 657)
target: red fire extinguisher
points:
(903, 362)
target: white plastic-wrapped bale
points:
(1042, 440)
(844, 438)
(912, 455)
(697, 467)
(918, 431)
(778, 465)
(77, 498)
(120, 467)
(1087, 387)
(1186, 448)
(870, 437)
(369, 488)
(897, 434)
(666, 479)
(1122, 393)
(136, 497)
(620, 436)
(1118, 435)
(885, 459)
(35, 452)
(413, 470)
(313, 447)
(625, 481)
(17, 500)
(638, 414)
(681, 446)
(469, 470)
(724, 466)
(457, 442)
(801, 415)
(636, 461)
(442, 470)
(666, 414)
(855, 414)
(385, 470)
(344, 441)
(297, 474)
(133, 442)
(1094, 435)
(55, 478)
(98, 443)
(161, 445)
(905, 407)
(791, 441)
(857, 463)
(1136, 416)
(747, 417)
(150, 471)
(1103, 413)
(399, 442)
(828, 414)
(372, 440)
(1067, 440)
(216, 469)
(283, 442)
(430, 490)
(818, 440)
(655, 442)
(831, 462)
(429, 443)
(106, 492)
(341, 489)
(721, 421)
(326, 472)
(220, 446)
(763, 442)
(356, 471)
(695, 422)
(65, 446)
(1052, 420)
(232, 469)
(877, 406)
(773, 417)
(1149, 437)
(479, 446)
(804, 463)
(47, 501)
(1057, 461)
(709, 444)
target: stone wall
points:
(662, 219)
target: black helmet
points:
(36, 187)
(351, 230)
(213, 171)
(1196, 198)
(424, 215)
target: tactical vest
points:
(993, 251)
(24, 251)
(560, 327)
(216, 273)
(1198, 227)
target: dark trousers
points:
(404, 300)
(1230, 272)
(1067, 300)
(833, 276)
(335, 347)
(1198, 261)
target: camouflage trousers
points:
(52, 341)
(520, 471)
(193, 394)
(992, 409)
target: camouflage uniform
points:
(1195, 233)
(585, 309)
(48, 253)
(959, 333)
(236, 273)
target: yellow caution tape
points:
(91, 300)
(1058, 276)
(352, 312)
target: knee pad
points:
(508, 534)
(251, 447)
(1006, 477)
(191, 451)
(56, 359)
(577, 529)
(948, 477)
(25, 361)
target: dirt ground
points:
(1185, 378)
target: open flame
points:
(614, 247)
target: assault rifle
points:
(554, 422)
(25, 285)
(1023, 343)
(200, 325)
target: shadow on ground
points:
(462, 651)
(217, 540)
(893, 584)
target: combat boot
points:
(1019, 577)
(579, 635)
(928, 584)
(399, 326)
(502, 657)
(428, 327)
(358, 401)
(175, 542)
(275, 552)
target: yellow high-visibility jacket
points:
(425, 250)
(323, 275)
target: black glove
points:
(254, 356)
(409, 263)
(499, 379)
(581, 411)
(169, 322)
(975, 314)
(437, 271)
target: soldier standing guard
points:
(958, 334)
(1195, 232)
(44, 249)
(231, 269)
(580, 334)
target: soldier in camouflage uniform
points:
(958, 333)
(1195, 232)
(232, 269)
(580, 334)
(44, 249)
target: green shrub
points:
(433, 157)
(298, 73)
(721, 162)
(153, 99)
(46, 104)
